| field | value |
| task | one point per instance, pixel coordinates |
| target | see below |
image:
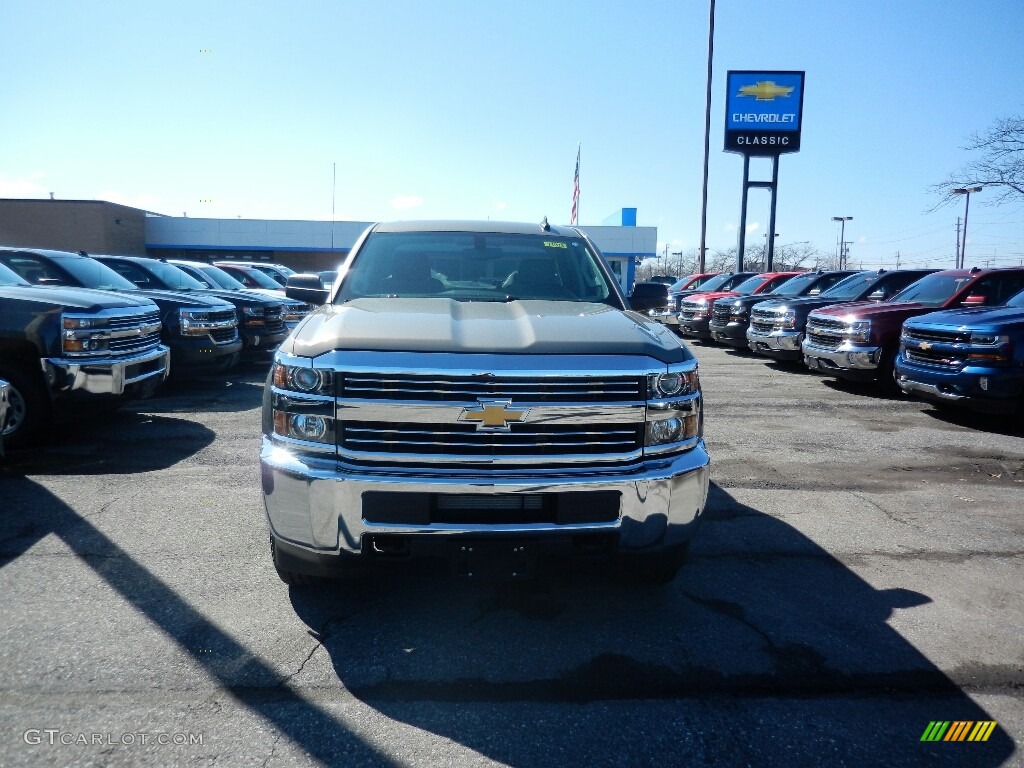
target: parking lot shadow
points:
(240, 389)
(31, 512)
(124, 442)
(762, 629)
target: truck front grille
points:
(273, 320)
(720, 313)
(826, 332)
(941, 337)
(934, 357)
(563, 441)
(468, 389)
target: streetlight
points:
(842, 238)
(967, 206)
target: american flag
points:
(575, 190)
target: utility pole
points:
(956, 262)
(897, 259)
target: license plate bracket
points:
(498, 559)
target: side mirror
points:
(876, 296)
(974, 300)
(307, 288)
(648, 296)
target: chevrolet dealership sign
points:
(763, 112)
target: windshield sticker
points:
(553, 244)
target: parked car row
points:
(108, 328)
(881, 327)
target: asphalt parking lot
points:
(860, 574)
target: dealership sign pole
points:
(763, 115)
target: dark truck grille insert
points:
(574, 507)
(934, 357)
(224, 335)
(121, 322)
(458, 389)
(720, 314)
(466, 440)
(132, 344)
(942, 337)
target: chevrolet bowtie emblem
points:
(765, 90)
(493, 415)
(924, 345)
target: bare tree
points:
(999, 167)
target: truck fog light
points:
(306, 427)
(666, 430)
(983, 382)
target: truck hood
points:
(166, 299)
(711, 297)
(975, 317)
(89, 299)
(238, 297)
(876, 310)
(515, 327)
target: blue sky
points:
(475, 109)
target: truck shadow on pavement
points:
(30, 512)
(763, 623)
(764, 628)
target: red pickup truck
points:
(859, 341)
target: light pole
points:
(766, 249)
(842, 238)
(966, 191)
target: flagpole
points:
(579, 145)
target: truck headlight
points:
(786, 319)
(84, 335)
(303, 379)
(672, 383)
(194, 322)
(859, 330)
(995, 348)
(253, 317)
(737, 311)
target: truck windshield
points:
(933, 290)
(713, 283)
(92, 274)
(173, 277)
(853, 287)
(797, 286)
(219, 278)
(476, 266)
(9, 277)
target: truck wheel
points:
(29, 409)
(290, 577)
(657, 568)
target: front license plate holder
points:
(499, 559)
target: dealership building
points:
(101, 227)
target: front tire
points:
(29, 411)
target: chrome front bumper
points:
(847, 356)
(314, 504)
(105, 376)
(779, 341)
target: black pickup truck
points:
(62, 347)
(201, 332)
(260, 317)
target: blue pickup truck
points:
(972, 358)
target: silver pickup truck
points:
(484, 393)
